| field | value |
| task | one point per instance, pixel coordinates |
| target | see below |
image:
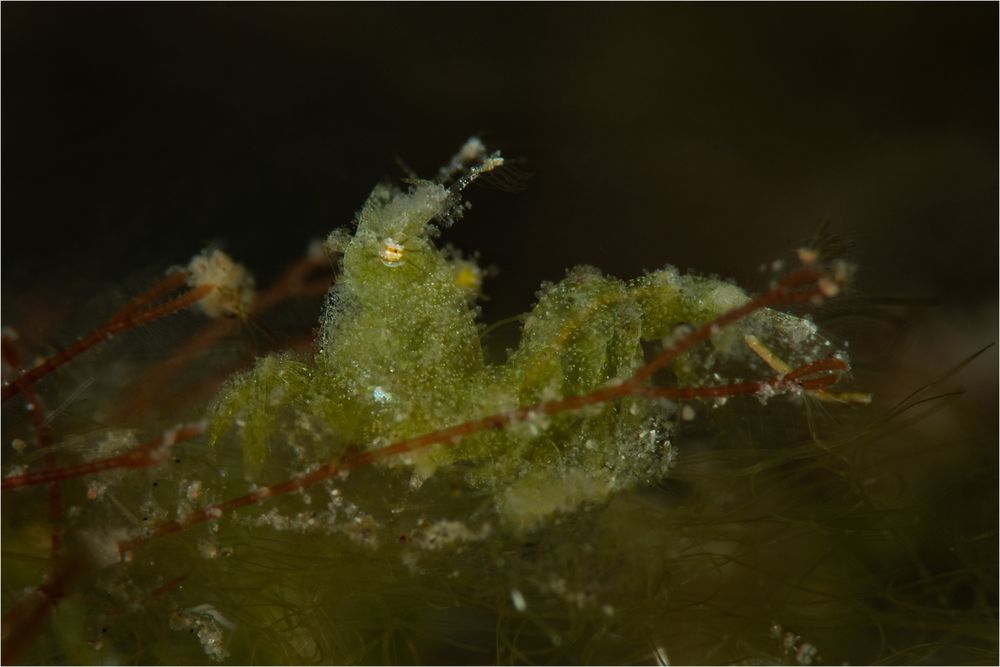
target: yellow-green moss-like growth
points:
(400, 355)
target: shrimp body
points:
(400, 355)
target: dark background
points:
(711, 137)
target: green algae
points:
(400, 356)
(611, 534)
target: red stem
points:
(784, 293)
(94, 338)
(292, 283)
(169, 283)
(147, 454)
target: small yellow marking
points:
(468, 277)
(391, 253)
(808, 256)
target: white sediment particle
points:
(443, 533)
(517, 599)
(578, 599)
(214, 614)
(687, 413)
(806, 654)
(233, 285)
(532, 424)
(111, 444)
(204, 620)
(103, 547)
(766, 392)
(537, 422)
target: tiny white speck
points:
(517, 598)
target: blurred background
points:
(709, 137)
(712, 138)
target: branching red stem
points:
(118, 324)
(787, 291)
(172, 281)
(292, 283)
(795, 288)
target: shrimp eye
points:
(391, 253)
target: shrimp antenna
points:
(473, 150)
(472, 153)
